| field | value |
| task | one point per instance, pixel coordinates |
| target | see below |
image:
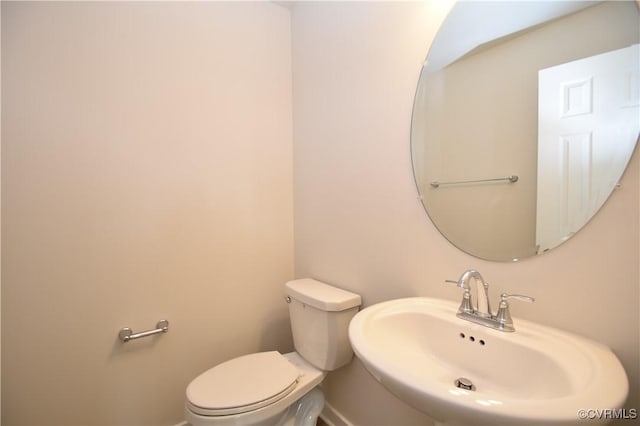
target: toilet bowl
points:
(270, 388)
(216, 397)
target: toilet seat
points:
(242, 384)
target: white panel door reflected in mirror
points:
(588, 125)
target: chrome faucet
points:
(482, 293)
(481, 313)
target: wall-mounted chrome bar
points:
(511, 179)
(127, 334)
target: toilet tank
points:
(320, 315)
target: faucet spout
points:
(482, 305)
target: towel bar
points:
(127, 334)
(512, 179)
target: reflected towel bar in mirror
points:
(511, 179)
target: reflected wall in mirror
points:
(525, 118)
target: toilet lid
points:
(242, 384)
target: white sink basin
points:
(538, 375)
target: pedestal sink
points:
(460, 373)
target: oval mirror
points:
(525, 118)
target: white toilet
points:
(268, 388)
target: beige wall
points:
(359, 224)
(146, 174)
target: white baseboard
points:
(332, 417)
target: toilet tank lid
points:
(322, 296)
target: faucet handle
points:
(505, 296)
(504, 316)
(466, 305)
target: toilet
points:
(269, 388)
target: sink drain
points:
(464, 383)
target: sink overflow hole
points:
(464, 383)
